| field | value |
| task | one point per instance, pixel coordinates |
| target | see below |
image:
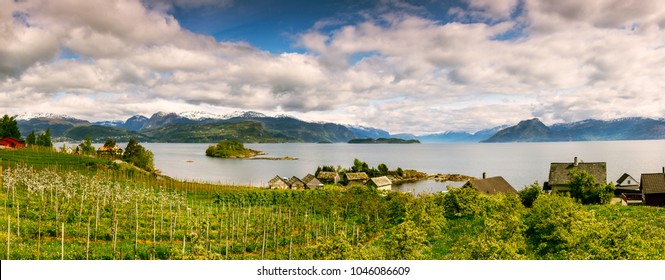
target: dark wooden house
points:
(652, 186)
(295, 183)
(327, 177)
(311, 182)
(560, 174)
(355, 178)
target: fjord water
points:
(519, 163)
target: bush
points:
(585, 189)
(529, 194)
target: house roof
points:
(308, 178)
(381, 181)
(327, 175)
(294, 180)
(314, 182)
(276, 180)
(491, 185)
(653, 183)
(355, 176)
(560, 172)
(626, 177)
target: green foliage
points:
(31, 139)
(585, 189)
(44, 139)
(530, 193)
(406, 241)
(86, 147)
(9, 127)
(110, 143)
(138, 155)
(462, 202)
(555, 226)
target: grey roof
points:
(314, 183)
(308, 178)
(653, 183)
(560, 172)
(491, 185)
(381, 181)
(295, 180)
(277, 181)
(356, 176)
(625, 178)
(327, 175)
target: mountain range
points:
(253, 127)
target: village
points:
(649, 190)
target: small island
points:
(231, 149)
(384, 141)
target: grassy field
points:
(61, 206)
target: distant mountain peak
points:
(199, 115)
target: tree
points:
(9, 127)
(585, 189)
(529, 194)
(86, 147)
(137, 155)
(109, 143)
(383, 169)
(44, 139)
(31, 139)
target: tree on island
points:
(230, 149)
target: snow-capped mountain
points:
(30, 116)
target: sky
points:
(418, 67)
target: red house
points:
(9, 142)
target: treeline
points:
(361, 166)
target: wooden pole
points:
(62, 244)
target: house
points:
(356, 178)
(111, 152)
(652, 186)
(9, 142)
(295, 183)
(278, 183)
(491, 185)
(328, 177)
(380, 183)
(560, 174)
(311, 182)
(626, 184)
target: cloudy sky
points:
(418, 66)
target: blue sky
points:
(417, 67)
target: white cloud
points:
(401, 71)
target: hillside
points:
(588, 130)
(532, 130)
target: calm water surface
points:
(519, 163)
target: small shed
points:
(652, 186)
(491, 185)
(277, 183)
(328, 177)
(380, 183)
(296, 184)
(560, 174)
(311, 182)
(626, 184)
(9, 142)
(355, 178)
